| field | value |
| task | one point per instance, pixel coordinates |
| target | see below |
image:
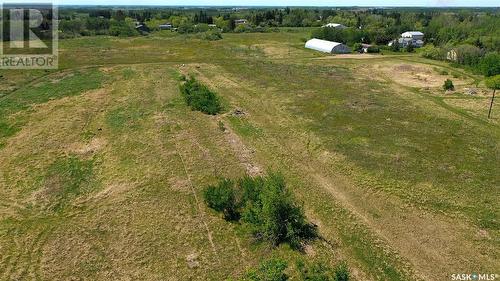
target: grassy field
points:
(102, 164)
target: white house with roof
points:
(327, 46)
(335, 25)
(165, 26)
(414, 38)
(240, 22)
(415, 35)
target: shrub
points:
(243, 28)
(222, 198)
(316, 271)
(212, 35)
(266, 205)
(199, 97)
(281, 219)
(373, 49)
(271, 270)
(357, 47)
(448, 85)
(342, 272)
(431, 52)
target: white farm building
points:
(327, 46)
(335, 25)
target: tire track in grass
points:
(197, 201)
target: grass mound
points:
(200, 98)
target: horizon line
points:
(267, 6)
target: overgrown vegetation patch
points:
(266, 205)
(199, 97)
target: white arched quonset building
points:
(327, 46)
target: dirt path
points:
(242, 152)
(436, 247)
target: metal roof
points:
(411, 33)
(334, 25)
(321, 45)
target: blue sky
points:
(433, 3)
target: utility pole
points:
(491, 104)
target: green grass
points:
(130, 163)
(244, 127)
(68, 178)
(70, 85)
(24, 98)
(396, 143)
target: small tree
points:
(276, 217)
(493, 83)
(448, 85)
(222, 198)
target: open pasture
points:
(102, 164)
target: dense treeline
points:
(441, 26)
(472, 34)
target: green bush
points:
(316, 271)
(271, 270)
(199, 97)
(448, 85)
(276, 217)
(342, 272)
(243, 28)
(373, 49)
(222, 198)
(357, 47)
(266, 205)
(431, 52)
(212, 35)
(319, 271)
